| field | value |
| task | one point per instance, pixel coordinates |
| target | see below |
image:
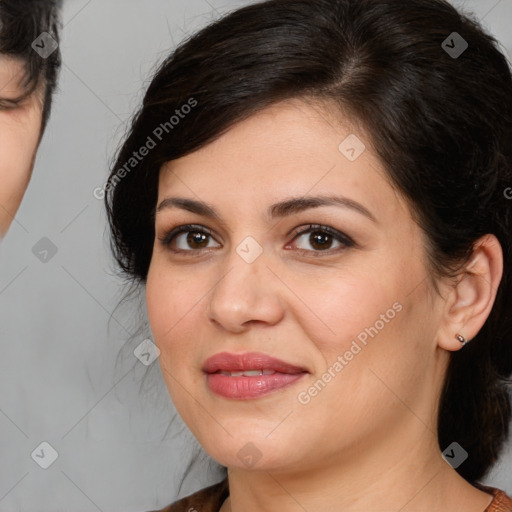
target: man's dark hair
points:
(21, 23)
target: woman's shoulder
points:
(501, 502)
(209, 499)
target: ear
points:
(470, 300)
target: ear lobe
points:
(471, 299)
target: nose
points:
(247, 293)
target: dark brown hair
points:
(441, 123)
(21, 23)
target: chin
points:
(251, 453)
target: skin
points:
(20, 133)
(368, 440)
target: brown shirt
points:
(210, 499)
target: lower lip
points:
(243, 388)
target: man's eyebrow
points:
(281, 209)
(19, 80)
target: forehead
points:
(295, 144)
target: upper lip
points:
(228, 362)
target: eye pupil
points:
(320, 240)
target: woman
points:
(313, 195)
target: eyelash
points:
(343, 239)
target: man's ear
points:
(470, 300)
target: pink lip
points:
(249, 361)
(245, 387)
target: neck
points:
(409, 476)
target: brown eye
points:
(188, 238)
(197, 239)
(322, 238)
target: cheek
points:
(173, 303)
(363, 321)
(173, 307)
(340, 306)
(19, 137)
(166, 300)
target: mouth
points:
(249, 375)
(250, 364)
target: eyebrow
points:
(20, 83)
(281, 209)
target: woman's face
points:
(346, 304)
(20, 128)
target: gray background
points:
(60, 330)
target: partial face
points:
(336, 292)
(20, 128)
